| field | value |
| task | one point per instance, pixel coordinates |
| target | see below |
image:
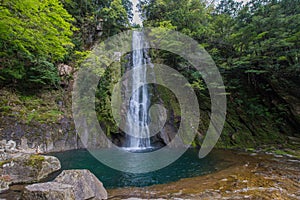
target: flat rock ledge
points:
(69, 185)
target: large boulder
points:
(85, 184)
(48, 191)
(28, 168)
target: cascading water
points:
(137, 117)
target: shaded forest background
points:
(256, 46)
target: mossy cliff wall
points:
(255, 118)
(42, 121)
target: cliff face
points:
(59, 136)
(42, 121)
(256, 117)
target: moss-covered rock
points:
(26, 168)
(35, 161)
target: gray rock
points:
(24, 143)
(4, 185)
(11, 145)
(86, 185)
(50, 165)
(46, 135)
(48, 191)
(26, 168)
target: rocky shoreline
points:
(20, 167)
(23, 168)
(251, 175)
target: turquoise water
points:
(188, 165)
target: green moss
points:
(35, 161)
(169, 100)
(5, 108)
(280, 152)
(250, 149)
(41, 107)
(43, 117)
(4, 162)
(285, 152)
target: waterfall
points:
(137, 116)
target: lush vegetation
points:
(34, 35)
(256, 46)
(37, 35)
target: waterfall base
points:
(140, 149)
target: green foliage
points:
(36, 35)
(189, 17)
(89, 13)
(103, 98)
(127, 4)
(256, 47)
(115, 17)
(33, 35)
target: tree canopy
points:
(33, 35)
(36, 35)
